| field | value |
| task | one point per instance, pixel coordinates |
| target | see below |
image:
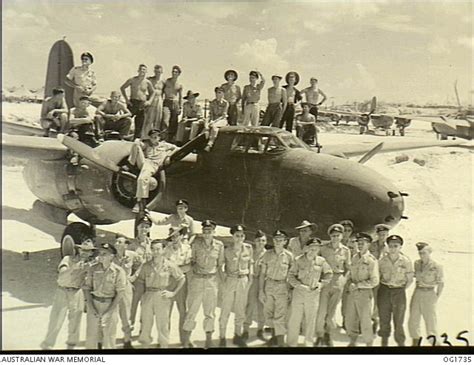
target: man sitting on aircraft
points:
(81, 119)
(312, 96)
(217, 116)
(54, 112)
(192, 114)
(113, 115)
(149, 155)
(306, 126)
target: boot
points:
(236, 339)
(401, 343)
(241, 342)
(319, 342)
(127, 345)
(99, 345)
(272, 341)
(328, 340)
(353, 341)
(384, 342)
(375, 325)
(260, 335)
(415, 342)
(280, 342)
(186, 337)
(208, 343)
(222, 342)
(245, 335)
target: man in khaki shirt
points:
(396, 275)
(363, 277)
(251, 99)
(232, 95)
(297, 245)
(308, 275)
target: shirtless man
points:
(277, 101)
(82, 78)
(54, 112)
(173, 91)
(232, 95)
(251, 98)
(113, 115)
(81, 119)
(154, 114)
(141, 96)
(312, 96)
(293, 96)
(306, 126)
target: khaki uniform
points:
(254, 308)
(181, 256)
(176, 222)
(340, 260)
(391, 299)
(364, 274)
(202, 286)
(423, 302)
(104, 285)
(352, 246)
(138, 290)
(295, 246)
(67, 300)
(156, 278)
(236, 286)
(275, 268)
(378, 250)
(306, 277)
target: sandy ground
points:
(440, 211)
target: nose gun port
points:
(392, 195)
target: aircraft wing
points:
(359, 149)
(21, 129)
(32, 147)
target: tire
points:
(73, 235)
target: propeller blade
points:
(373, 105)
(87, 152)
(371, 153)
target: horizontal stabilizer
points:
(32, 147)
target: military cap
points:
(144, 220)
(314, 242)
(237, 228)
(253, 73)
(182, 202)
(208, 223)
(84, 98)
(305, 223)
(259, 234)
(228, 72)
(336, 227)
(297, 77)
(347, 222)
(277, 77)
(421, 246)
(86, 245)
(395, 238)
(218, 89)
(280, 233)
(108, 247)
(382, 227)
(88, 55)
(364, 235)
(154, 131)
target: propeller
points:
(373, 105)
(371, 153)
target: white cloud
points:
(262, 54)
(439, 46)
(398, 23)
(466, 41)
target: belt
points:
(69, 288)
(392, 287)
(238, 275)
(251, 102)
(154, 289)
(102, 299)
(424, 288)
(277, 281)
(204, 276)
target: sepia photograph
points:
(237, 177)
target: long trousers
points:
(254, 308)
(234, 295)
(392, 302)
(180, 299)
(147, 167)
(423, 304)
(304, 308)
(358, 314)
(66, 302)
(251, 114)
(155, 308)
(314, 110)
(288, 117)
(275, 308)
(232, 114)
(273, 115)
(138, 291)
(329, 299)
(124, 309)
(122, 125)
(102, 327)
(201, 290)
(137, 108)
(170, 118)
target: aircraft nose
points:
(396, 206)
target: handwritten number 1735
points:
(444, 336)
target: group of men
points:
(153, 103)
(292, 286)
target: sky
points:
(400, 51)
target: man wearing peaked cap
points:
(349, 241)
(251, 99)
(179, 219)
(273, 286)
(276, 103)
(232, 95)
(339, 258)
(82, 78)
(364, 236)
(396, 275)
(308, 275)
(378, 248)
(305, 231)
(429, 286)
(238, 264)
(208, 259)
(103, 289)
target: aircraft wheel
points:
(402, 132)
(73, 235)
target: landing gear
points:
(74, 234)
